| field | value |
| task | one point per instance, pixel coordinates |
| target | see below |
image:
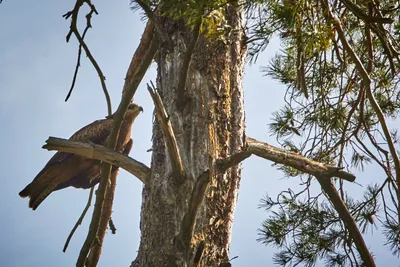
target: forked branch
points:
(74, 30)
(184, 238)
(277, 155)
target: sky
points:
(36, 69)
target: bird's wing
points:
(96, 132)
(90, 177)
(56, 174)
(62, 164)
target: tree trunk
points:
(209, 126)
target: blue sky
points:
(36, 68)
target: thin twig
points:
(74, 29)
(112, 226)
(359, 13)
(79, 222)
(169, 135)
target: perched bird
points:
(66, 169)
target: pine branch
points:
(347, 219)
(367, 84)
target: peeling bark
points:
(210, 126)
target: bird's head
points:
(132, 111)
(135, 107)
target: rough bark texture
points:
(210, 127)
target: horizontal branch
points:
(296, 161)
(94, 151)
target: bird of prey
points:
(66, 169)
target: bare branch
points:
(141, 61)
(169, 136)
(224, 164)
(183, 239)
(74, 29)
(112, 226)
(94, 151)
(95, 250)
(79, 222)
(154, 18)
(296, 161)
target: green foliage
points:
(307, 231)
(328, 116)
(210, 14)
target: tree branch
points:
(359, 13)
(95, 250)
(79, 222)
(347, 219)
(296, 161)
(155, 19)
(367, 83)
(138, 67)
(74, 29)
(94, 151)
(184, 238)
(169, 136)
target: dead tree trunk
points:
(208, 123)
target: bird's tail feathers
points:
(36, 193)
(26, 191)
(37, 198)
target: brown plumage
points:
(66, 169)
